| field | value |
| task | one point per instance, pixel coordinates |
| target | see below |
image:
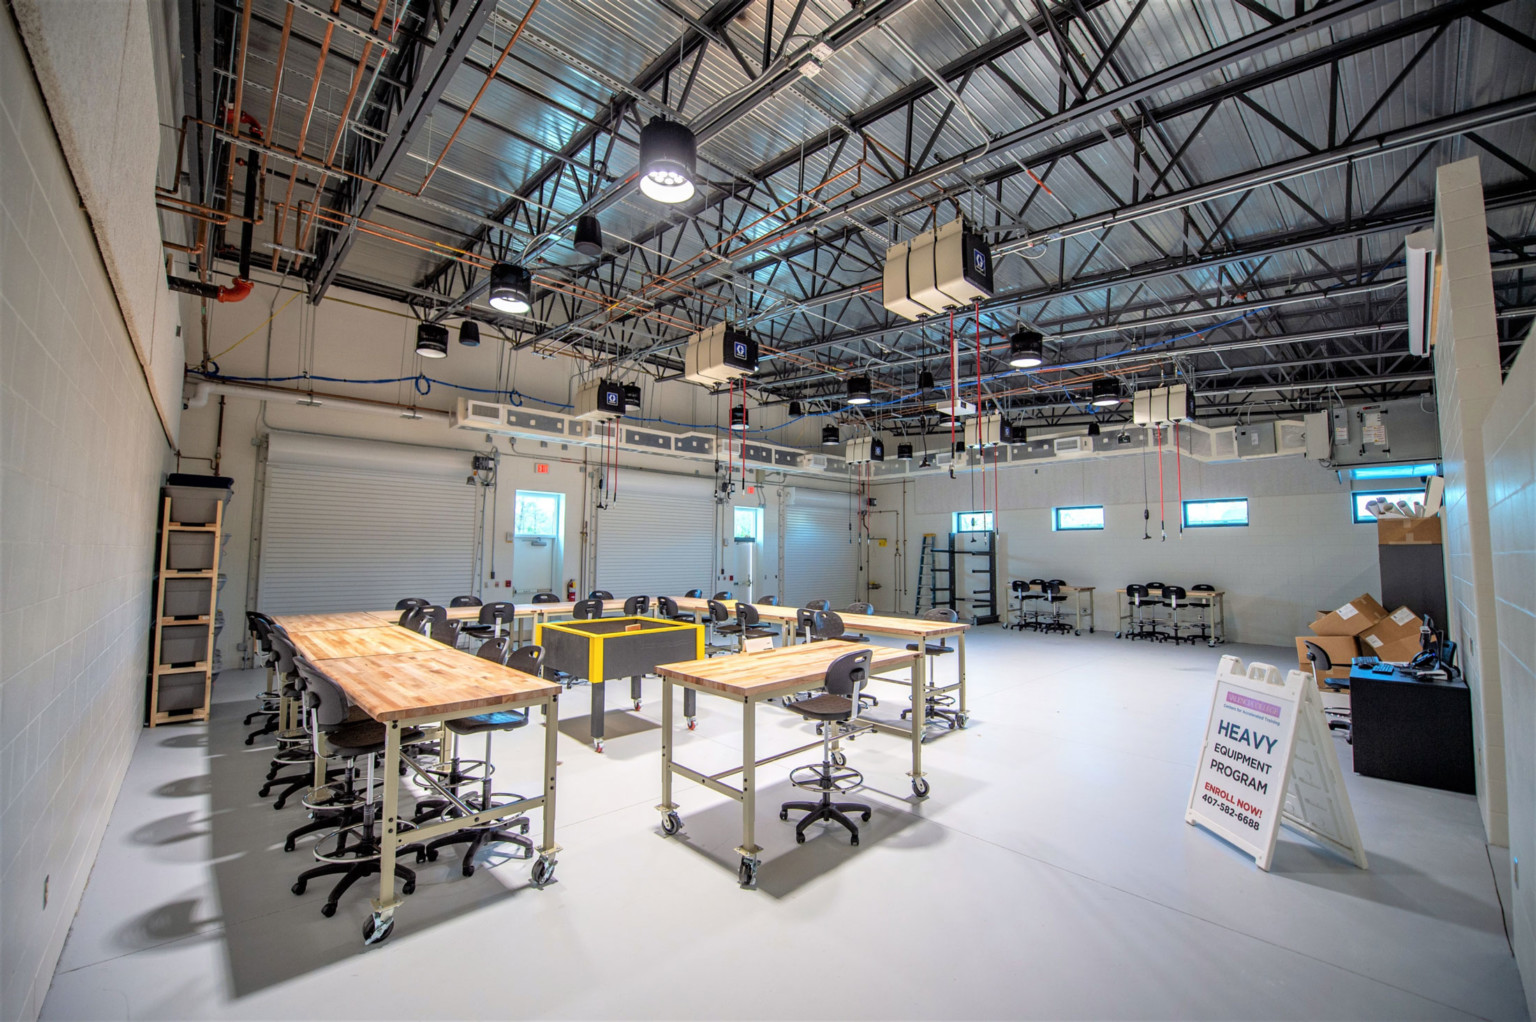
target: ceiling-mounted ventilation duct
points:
(947, 268)
(719, 354)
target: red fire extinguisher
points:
(570, 590)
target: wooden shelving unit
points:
(173, 681)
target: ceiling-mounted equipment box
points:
(864, 450)
(1163, 405)
(947, 268)
(984, 430)
(600, 400)
(922, 284)
(962, 264)
(954, 408)
(719, 354)
(897, 297)
(1255, 439)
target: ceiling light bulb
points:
(1026, 350)
(667, 158)
(1106, 393)
(432, 340)
(511, 289)
(858, 390)
(739, 417)
(830, 437)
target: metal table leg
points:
(960, 657)
(691, 707)
(747, 872)
(544, 868)
(382, 921)
(919, 723)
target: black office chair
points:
(528, 660)
(1202, 605)
(422, 619)
(827, 624)
(351, 850)
(1155, 600)
(939, 706)
(292, 766)
(1140, 627)
(1338, 719)
(747, 626)
(637, 606)
(1175, 599)
(599, 594)
(260, 627)
(695, 594)
(1052, 597)
(411, 602)
(545, 598)
(854, 609)
(464, 601)
(444, 631)
(818, 604)
(666, 607)
(769, 601)
(724, 594)
(588, 608)
(493, 617)
(1019, 591)
(718, 621)
(836, 711)
(496, 649)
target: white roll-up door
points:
(657, 538)
(820, 557)
(356, 525)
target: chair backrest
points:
(587, 608)
(860, 608)
(1448, 652)
(545, 598)
(412, 601)
(283, 647)
(724, 594)
(941, 614)
(1318, 656)
(827, 624)
(1156, 585)
(818, 604)
(747, 615)
(769, 601)
(666, 606)
(495, 649)
(847, 674)
(599, 594)
(325, 696)
(497, 613)
(1174, 594)
(444, 631)
(422, 619)
(464, 601)
(1136, 593)
(1052, 588)
(1202, 587)
(1018, 585)
(1058, 581)
(718, 612)
(695, 594)
(637, 606)
(529, 659)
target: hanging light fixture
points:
(1026, 350)
(1106, 393)
(432, 341)
(511, 289)
(589, 235)
(1093, 429)
(959, 446)
(739, 417)
(632, 397)
(796, 409)
(469, 334)
(830, 437)
(903, 452)
(858, 390)
(667, 156)
(925, 381)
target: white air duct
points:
(1423, 291)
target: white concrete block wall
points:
(1466, 361)
(1509, 444)
(81, 454)
(1300, 553)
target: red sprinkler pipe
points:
(1178, 461)
(1162, 506)
(954, 390)
(979, 444)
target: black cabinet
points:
(1417, 732)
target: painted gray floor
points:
(1051, 875)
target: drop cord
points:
(954, 391)
(1146, 499)
(1162, 502)
(1178, 462)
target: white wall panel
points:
(657, 538)
(820, 555)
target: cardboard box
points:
(1351, 619)
(1394, 638)
(1407, 531)
(1341, 649)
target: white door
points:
(821, 558)
(747, 553)
(358, 525)
(538, 526)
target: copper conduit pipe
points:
(277, 82)
(309, 113)
(234, 117)
(496, 67)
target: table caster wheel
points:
(1078, 632)
(693, 725)
(746, 873)
(328, 909)
(962, 719)
(637, 704)
(1119, 634)
(298, 888)
(838, 759)
(1090, 630)
(543, 871)
(671, 823)
(378, 928)
(920, 787)
(1211, 645)
(598, 745)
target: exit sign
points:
(540, 468)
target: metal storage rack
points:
(186, 595)
(977, 557)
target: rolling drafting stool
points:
(260, 627)
(464, 601)
(1201, 604)
(818, 604)
(828, 626)
(1175, 599)
(1322, 663)
(1140, 627)
(411, 603)
(494, 617)
(746, 626)
(444, 631)
(771, 601)
(1029, 611)
(351, 850)
(938, 705)
(858, 608)
(528, 660)
(836, 711)
(544, 598)
(454, 774)
(599, 594)
(718, 622)
(1154, 604)
(637, 606)
(666, 607)
(296, 750)
(695, 594)
(1052, 596)
(725, 594)
(1020, 590)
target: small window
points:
(1428, 468)
(973, 521)
(1204, 513)
(748, 524)
(537, 514)
(1069, 519)
(1360, 498)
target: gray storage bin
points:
(180, 692)
(183, 644)
(187, 597)
(191, 551)
(194, 505)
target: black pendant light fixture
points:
(858, 390)
(511, 289)
(1106, 393)
(903, 452)
(739, 417)
(631, 397)
(432, 341)
(796, 410)
(667, 158)
(830, 437)
(469, 334)
(1026, 350)
(959, 446)
(1093, 429)
(925, 381)
(589, 236)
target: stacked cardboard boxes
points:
(1362, 627)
